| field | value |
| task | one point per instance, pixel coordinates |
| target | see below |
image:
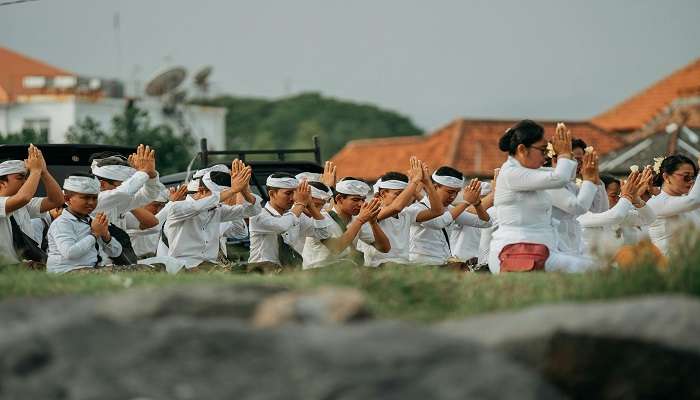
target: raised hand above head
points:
(177, 193)
(329, 176)
(562, 141)
(241, 180)
(34, 162)
(589, 169)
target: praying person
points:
(75, 238)
(19, 181)
(353, 219)
(282, 220)
(192, 227)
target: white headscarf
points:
(281, 183)
(309, 176)
(450, 181)
(352, 187)
(320, 194)
(215, 188)
(12, 167)
(390, 184)
(163, 196)
(113, 172)
(82, 184)
(218, 167)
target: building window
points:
(38, 125)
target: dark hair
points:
(113, 161)
(525, 132)
(103, 154)
(670, 165)
(394, 176)
(578, 144)
(350, 178)
(83, 174)
(608, 180)
(449, 171)
(319, 185)
(282, 175)
(220, 178)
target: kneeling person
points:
(353, 220)
(283, 222)
(75, 239)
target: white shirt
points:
(135, 192)
(672, 213)
(71, 245)
(569, 203)
(192, 227)
(266, 227)
(523, 206)
(145, 241)
(23, 216)
(604, 233)
(316, 254)
(430, 239)
(398, 230)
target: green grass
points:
(414, 293)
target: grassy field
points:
(415, 293)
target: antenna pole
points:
(204, 152)
(317, 149)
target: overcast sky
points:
(430, 60)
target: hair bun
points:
(506, 139)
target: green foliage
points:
(24, 137)
(132, 128)
(405, 292)
(291, 122)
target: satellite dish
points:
(166, 81)
(201, 77)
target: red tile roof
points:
(14, 67)
(470, 145)
(639, 109)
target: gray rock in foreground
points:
(636, 348)
(198, 343)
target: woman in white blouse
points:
(675, 206)
(606, 232)
(523, 207)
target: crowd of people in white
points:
(547, 208)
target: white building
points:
(45, 98)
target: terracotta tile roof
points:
(636, 111)
(14, 67)
(469, 145)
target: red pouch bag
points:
(523, 257)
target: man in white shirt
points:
(192, 227)
(282, 222)
(18, 184)
(396, 192)
(430, 240)
(76, 239)
(353, 220)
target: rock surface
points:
(322, 306)
(92, 357)
(635, 348)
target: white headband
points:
(206, 179)
(352, 187)
(450, 181)
(82, 184)
(281, 183)
(392, 184)
(113, 172)
(218, 167)
(309, 176)
(193, 185)
(12, 167)
(320, 194)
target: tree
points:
(292, 121)
(25, 136)
(132, 128)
